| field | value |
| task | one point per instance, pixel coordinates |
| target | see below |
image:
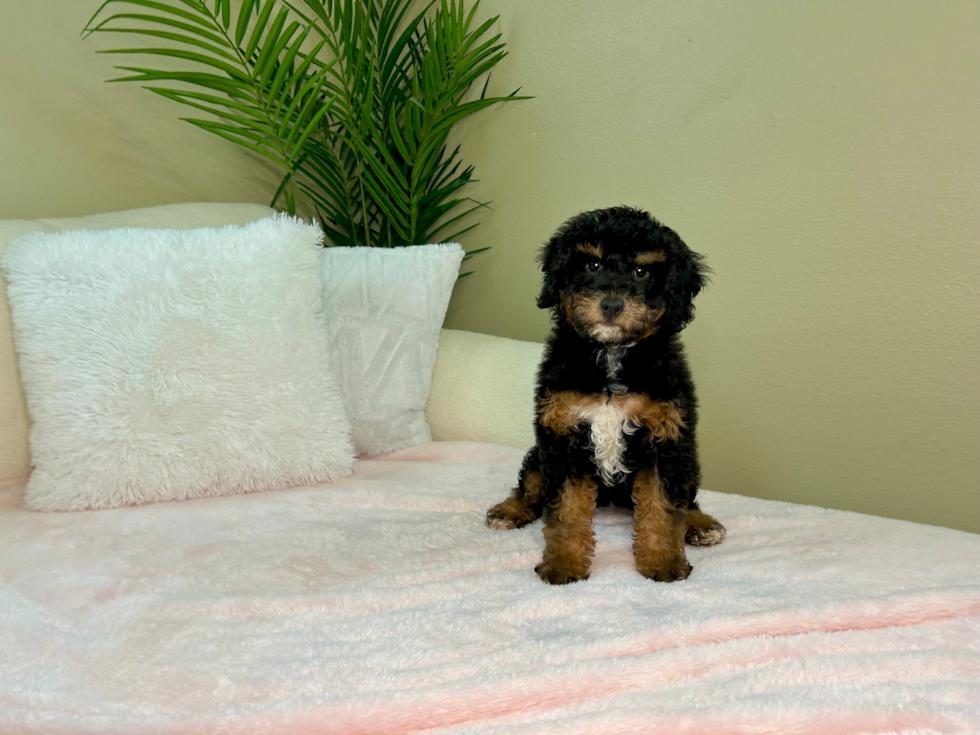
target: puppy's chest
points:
(610, 423)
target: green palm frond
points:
(353, 99)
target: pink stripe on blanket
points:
(446, 717)
(856, 723)
(534, 694)
(863, 616)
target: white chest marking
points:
(610, 427)
(609, 423)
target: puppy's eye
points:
(593, 266)
(641, 273)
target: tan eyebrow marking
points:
(653, 256)
(589, 248)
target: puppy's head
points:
(617, 276)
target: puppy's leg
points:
(658, 531)
(526, 500)
(568, 538)
(702, 529)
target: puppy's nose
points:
(611, 308)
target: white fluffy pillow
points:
(385, 308)
(170, 364)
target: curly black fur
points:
(650, 364)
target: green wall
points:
(71, 145)
(823, 155)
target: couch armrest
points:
(483, 389)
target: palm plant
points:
(352, 99)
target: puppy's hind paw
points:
(509, 514)
(702, 529)
(711, 535)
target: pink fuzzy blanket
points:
(381, 604)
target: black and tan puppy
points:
(616, 409)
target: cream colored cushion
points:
(385, 307)
(483, 389)
(14, 424)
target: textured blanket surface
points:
(382, 604)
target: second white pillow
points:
(385, 307)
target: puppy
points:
(616, 409)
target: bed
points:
(382, 604)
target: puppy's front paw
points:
(554, 575)
(668, 570)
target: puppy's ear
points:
(553, 257)
(688, 275)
